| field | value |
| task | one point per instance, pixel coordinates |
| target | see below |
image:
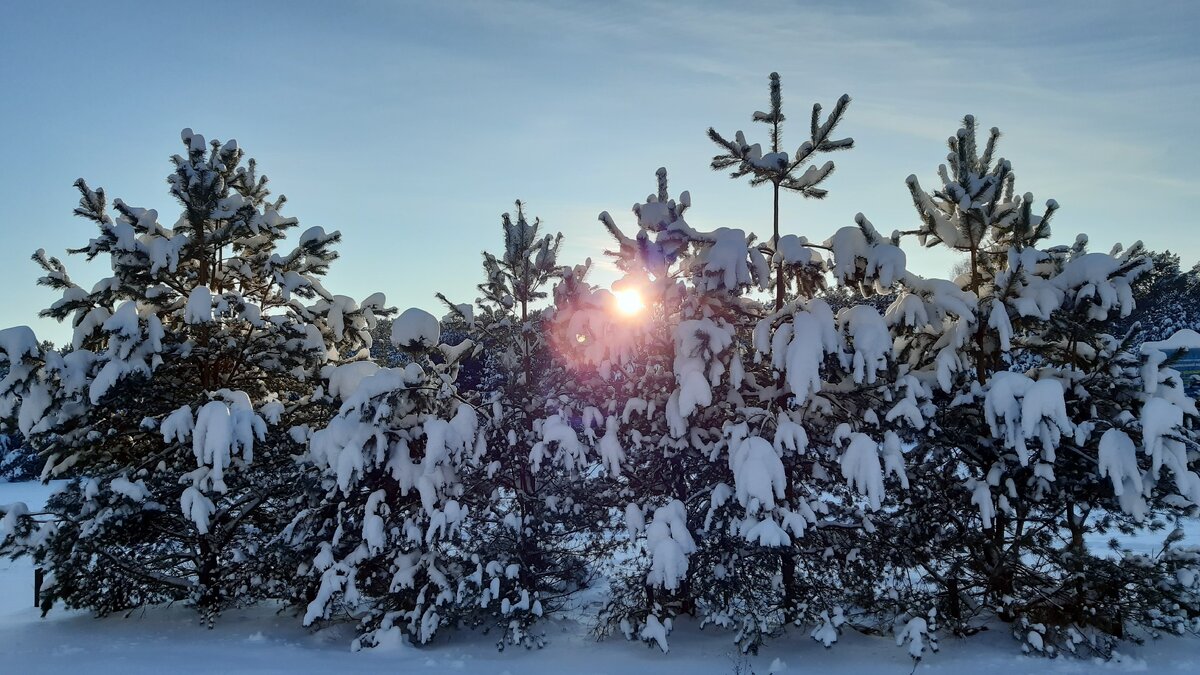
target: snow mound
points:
(415, 328)
(1180, 339)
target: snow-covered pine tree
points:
(662, 417)
(173, 404)
(694, 442)
(837, 384)
(793, 259)
(533, 515)
(18, 461)
(1018, 467)
(385, 544)
(454, 505)
(1167, 299)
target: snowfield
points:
(263, 640)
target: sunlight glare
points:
(629, 301)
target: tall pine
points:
(187, 368)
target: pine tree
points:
(173, 404)
(657, 436)
(1032, 420)
(533, 514)
(695, 454)
(18, 462)
(386, 543)
(499, 537)
(1167, 299)
(794, 260)
(781, 171)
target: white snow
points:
(197, 508)
(811, 335)
(827, 632)
(1092, 277)
(416, 328)
(868, 334)
(1019, 409)
(669, 543)
(656, 631)
(560, 438)
(861, 469)
(698, 343)
(759, 478)
(223, 427)
(1159, 418)
(177, 426)
(199, 306)
(18, 342)
(860, 250)
(1180, 339)
(723, 261)
(344, 379)
(915, 633)
(981, 496)
(794, 250)
(1118, 461)
(634, 520)
(609, 447)
(373, 524)
(135, 491)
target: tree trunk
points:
(1075, 525)
(39, 577)
(787, 562)
(779, 285)
(528, 485)
(953, 601)
(208, 576)
(787, 558)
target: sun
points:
(629, 301)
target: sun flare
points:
(629, 301)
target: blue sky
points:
(410, 127)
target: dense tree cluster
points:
(766, 435)
(1168, 300)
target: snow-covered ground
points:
(259, 640)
